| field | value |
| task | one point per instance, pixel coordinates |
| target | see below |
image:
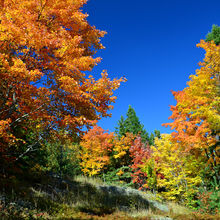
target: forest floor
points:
(48, 197)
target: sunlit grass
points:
(89, 198)
(95, 181)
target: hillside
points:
(49, 197)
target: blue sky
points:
(152, 44)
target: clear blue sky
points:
(153, 44)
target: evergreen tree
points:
(214, 34)
(120, 130)
(153, 135)
(132, 125)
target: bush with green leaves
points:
(120, 176)
(209, 199)
(62, 159)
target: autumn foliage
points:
(177, 165)
(197, 114)
(96, 146)
(140, 153)
(121, 149)
(46, 47)
(51, 101)
(181, 172)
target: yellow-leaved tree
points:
(179, 172)
(96, 147)
(197, 112)
(121, 148)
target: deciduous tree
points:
(121, 148)
(181, 171)
(96, 147)
(139, 153)
(46, 49)
(197, 112)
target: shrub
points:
(120, 176)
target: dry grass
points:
(89, 198)
(95, 181)
(178, 209)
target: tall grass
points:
(86, 198)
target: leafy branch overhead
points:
(46, 49)
(51, 101)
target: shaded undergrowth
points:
(45, 196)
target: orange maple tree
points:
(96, 147)
(197, 113)
(47, 48)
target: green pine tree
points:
(153, 135)
(214, 34)
(120, 130)
(131, 124)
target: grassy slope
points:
(47, 197)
